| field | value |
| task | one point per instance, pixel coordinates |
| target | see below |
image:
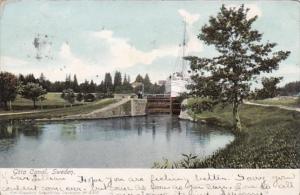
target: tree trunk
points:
(236, 118)
(10, 107)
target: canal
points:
(107, 143)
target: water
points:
(115, 143)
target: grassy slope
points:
(270, 139)
(58, 112)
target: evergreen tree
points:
(101, 87)
(108, 85)
(117, 81)
(92, 87)
(147, 84)
(139, 78)
(30, 79)
(226, 78)
(68, 82)
(75, 85)
(84, 87)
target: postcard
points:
(149, 97)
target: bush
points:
(89, 97)
(79, 97)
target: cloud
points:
(122, 55)
(188, 17)
(119, 54)
(10, 62)
(20, 66)
(193, 44)
(254, 9)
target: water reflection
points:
(123, 142)
(13, 129)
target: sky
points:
(89, 38)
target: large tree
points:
(32, 91)
(8, 88)
(242, 56)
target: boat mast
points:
(183, 48)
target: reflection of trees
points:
(68, 131)
(11, 129)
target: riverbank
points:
(58, 112)
(270, 138)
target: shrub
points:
(89, 97)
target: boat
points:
(177, 82)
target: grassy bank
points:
(270, 139)
(283, 101)
(58, 112)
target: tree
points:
(101, 87)
(226, 78)
(46, 84)
(84, 87)
(8, 88)
(139, 78)
(68, 82)
(30, 79)
(126, 86)
(117, 81)
(108, 83)
(75, 85)
(147, 83)
(92, 87)
(69, 96)
(292, 88)
(269, 89)
(32, 91)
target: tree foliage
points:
(8, 87)
(292, 88)
(32, 91)
(117, 81)
(69, 96)
(227, 78)
(269, 89)
(108, 85)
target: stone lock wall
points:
(138, 107)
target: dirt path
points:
(17, 113)
(278, 106)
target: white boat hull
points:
(176, 87)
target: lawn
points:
(53, 100)
(59, 112)
(283, 100)
(270, 138)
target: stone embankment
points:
(124, 107)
